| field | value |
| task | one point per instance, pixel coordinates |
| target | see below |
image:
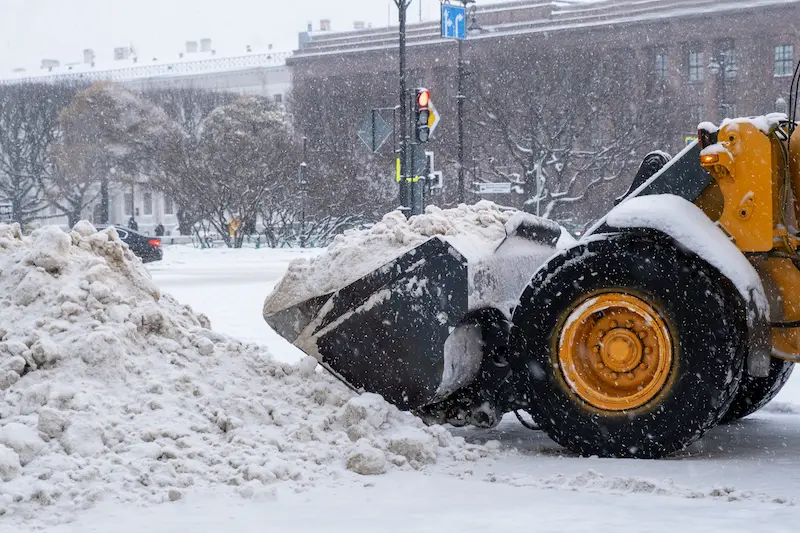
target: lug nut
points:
(596, 348)
(642, 366)
(600, 366)
(629, 375)
(642, 334)
(648, 350)
(613, 324)
(601, 334)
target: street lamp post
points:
(405, 187)
(460, 101)
(723, 65)
(303, 179)
(105, 200)
(460, 97)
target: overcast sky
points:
(60, 29)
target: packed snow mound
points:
(355, 253)
(113, 390)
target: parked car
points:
(147, 248)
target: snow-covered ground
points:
(742, 477)
(730, 481)
(229, 286)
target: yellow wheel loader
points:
(677, 311)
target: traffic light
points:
(422, 114)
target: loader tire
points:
(754, 393)
(668, 302)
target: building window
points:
(128, 204)
(278, 98)
(169, 206)
(148, 203)
(728, 110)
(696, 66)
(784, 59)
(727, 55)
(662, 65)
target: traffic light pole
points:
(461, 97)
(421, 133)
(405, 187)
(303, 174)
(460, 101)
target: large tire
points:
(700, 363)
(754, 393)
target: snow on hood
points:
(114, 391)
(685, 222)
(765, 123)
(356, 253)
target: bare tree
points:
(326, 112)
(246, 153)
(72, 185)
(564, 128)
(284, 226)
(188, 108)
(576, 120)
(119, 135)
(28, 129)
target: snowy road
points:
(742, 477)
(229, 286)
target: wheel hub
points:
(621, 350)
(615, 352)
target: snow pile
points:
(356, 253)
(112, 390)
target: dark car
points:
(147, 248)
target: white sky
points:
(60, 29)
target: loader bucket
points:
(385, 333)
(388, 331)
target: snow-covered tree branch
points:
(563, 130)
(187, 108)
(245, 157)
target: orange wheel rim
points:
(615, 352)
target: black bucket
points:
(385, 333)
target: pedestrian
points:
(133, 224)
(160, 230)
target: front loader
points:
(677, 311)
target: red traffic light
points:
(423, 98)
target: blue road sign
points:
(454, 22)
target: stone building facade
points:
(716, 58)
(680, 40)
